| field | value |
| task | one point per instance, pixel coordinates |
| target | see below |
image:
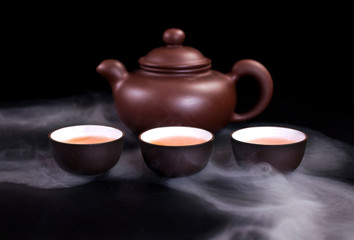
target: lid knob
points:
(175, 57)
(173, 36)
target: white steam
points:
(25, 155)
(264, 204)
(313, 202)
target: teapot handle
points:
(256, 70)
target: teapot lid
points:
(174, 58)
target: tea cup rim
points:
(305, 135)
(86, 125)
(212, 136)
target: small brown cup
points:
(284, 157)
(86, 159)
(176, 161)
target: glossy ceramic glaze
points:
(175, 86)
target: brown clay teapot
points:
(175, 86)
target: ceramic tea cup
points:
(281, 147)
(87, 149)
(176, 151)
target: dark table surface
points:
(38, 200)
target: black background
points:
(52, 52)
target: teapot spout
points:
(114, 71)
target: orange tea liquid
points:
(271, 141)
(178, 141)
(89, 140)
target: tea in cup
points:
(87, 149)
(176, 151)
(281, 147)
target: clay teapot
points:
(175, 85)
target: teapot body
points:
(175, 85)
(146, 100)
